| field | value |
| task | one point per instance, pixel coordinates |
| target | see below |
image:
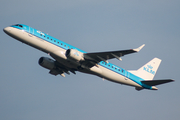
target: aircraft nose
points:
(7, 29)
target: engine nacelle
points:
(47, 63)
(74, 55)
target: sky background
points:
(29, 92)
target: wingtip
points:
(172, 80)
(139, 48)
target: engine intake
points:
(47, 63)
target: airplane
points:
(68, 58)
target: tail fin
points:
(148, 71)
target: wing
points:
(94, 58)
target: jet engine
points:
(74, 55)
(50, 64)
(47, 63)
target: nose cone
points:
(7, 30)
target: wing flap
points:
(156, 82)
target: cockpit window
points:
(19, 25)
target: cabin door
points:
(31, 31)
(126, 75)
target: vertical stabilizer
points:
(148, 71)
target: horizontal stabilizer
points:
(156, 82)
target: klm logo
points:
(76, 54)
(148, 69)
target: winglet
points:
(139, 48)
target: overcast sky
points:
(29, 92)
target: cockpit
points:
(19, 25)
